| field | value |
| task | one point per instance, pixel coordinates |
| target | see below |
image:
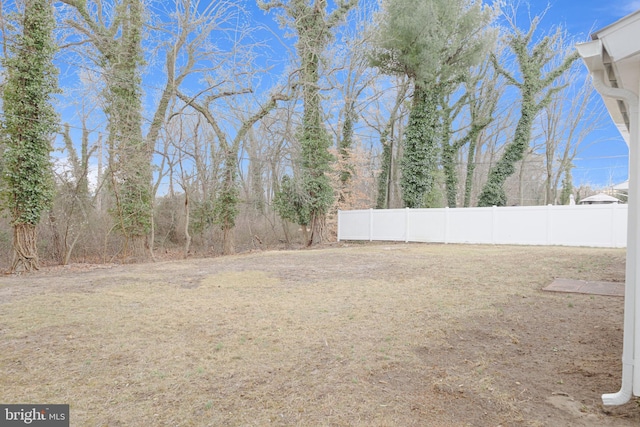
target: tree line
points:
(132, 130)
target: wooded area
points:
(140, 130)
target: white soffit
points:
(593, 55)
(615, 51)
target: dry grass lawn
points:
(357, 335)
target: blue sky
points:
(584, 16)
(604, 162)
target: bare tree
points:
(350, 79)
(390, 128)
(193, 164)
(565, 123)
(74, 203)
(228, 197)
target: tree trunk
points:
(421, 145)
(450, 172)
(187, 212)
(255, 175)
(25, 249)
(397, 152)
(228, 244)
(384, 177)
(521, 182)
(317, 230)
(69, 249)
(151, 237)
(493, 193)
(449, 152)
(59, 249)
(137, 249)
(471, 167)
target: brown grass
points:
(362, 335)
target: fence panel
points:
(389, 224)
(353, 225)
(471, 225)
(426, 225)
(591, 225)
(526, 225)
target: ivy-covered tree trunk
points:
(131, 158)
(420, 148)
(313, 27)
(384, 177)
(25, 248)
(345, 144)
(226, 209)
(536, 92)
(119, 43)
(471, 167)
(29, 121)
(449, 152)
(314, 140)
(493, 193)
(315, 143)
(474, 135)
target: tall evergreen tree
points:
(536, 94)
(29, 121)
(313, 26)
(434, 43)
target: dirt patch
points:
(438, 335)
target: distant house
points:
(621, 191)
(623, 187)
(598, 199)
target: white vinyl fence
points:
(577, 225)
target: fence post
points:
(370, 225)
(339, 212)
(406, 225)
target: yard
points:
(351, 335)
